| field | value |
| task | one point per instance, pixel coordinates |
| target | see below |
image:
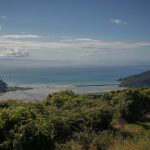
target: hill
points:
(135, 81)
(3, 86)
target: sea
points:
(79, 79)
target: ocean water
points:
(49, 80)
(68, 76)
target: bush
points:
(19, 130)
(31, 137)
(130, 104)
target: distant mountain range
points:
(138, 80)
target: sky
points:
(38, 33)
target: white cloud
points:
(23, 32)
(3, 17)
(13, 53)
(118, 21)
(101, 44)
(20, 36)
(74, 44)
(83, 39)
(90, 54)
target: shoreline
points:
(34, 85)
(41, 92)
(84, 85)
(16, 88)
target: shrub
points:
(130, 104)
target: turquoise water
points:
(75, 76)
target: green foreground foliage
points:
(67, 121)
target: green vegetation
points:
(67, 121)
(136, 81)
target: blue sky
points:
(74, 32)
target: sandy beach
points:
(40, 92)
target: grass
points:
(127, 137)
(142, 144)
(135, 136)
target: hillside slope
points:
(139, 80)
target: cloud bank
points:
(10, 45)
(20, 36)
(13, 53)
(74, 43)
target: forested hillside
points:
(139, 80)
